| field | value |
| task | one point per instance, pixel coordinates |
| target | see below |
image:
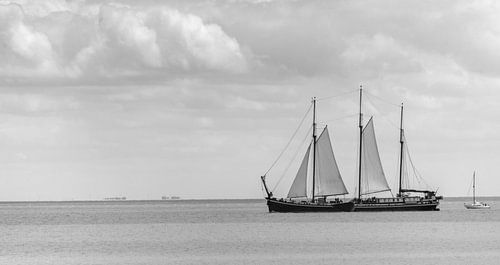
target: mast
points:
(360, 139)
(401, 141)
(314, 147)
(474, 187)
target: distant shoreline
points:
(207, 200)
(138, 200)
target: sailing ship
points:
(371, 177)
(325, 175)
(475, 204)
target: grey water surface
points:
(242, 232)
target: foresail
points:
(299, 185)
(372, 174)
(328, 178)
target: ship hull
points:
(292, 207)
(396, 207)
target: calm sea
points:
(242, 232)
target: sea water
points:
(242, 232)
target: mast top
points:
(401, 123)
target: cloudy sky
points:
(197, 98)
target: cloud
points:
(24, 48)
(125, 32)
(36, 103)
(379, 55)
(80, 41)
(166, 83)
(88, 41)
(206, 44)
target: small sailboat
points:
(371, 177)
(475, 204)
(325, 175)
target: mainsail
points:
(328, 179)
(299, 185)
(372, 173)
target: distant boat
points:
(475, 204)
(170, 198)
(325, 176)
(371, 177)
(115, 199)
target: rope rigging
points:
(290, 163)
(289, 141)
(380, 99)
(383, 117)
(470, 186)
(302, 122)
(338, 95)
(418, 177)
(340, 118)
(407, 170)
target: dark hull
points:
(383, 207)
(291, 207)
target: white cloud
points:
(32, 46)
(81, 41)
(207, 44)
(24, 48)
(126, 32)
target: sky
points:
(197, 99)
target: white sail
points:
(328, 180)
(299, 185)
(372, 174)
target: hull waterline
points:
(385, 207)
(292, 207)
